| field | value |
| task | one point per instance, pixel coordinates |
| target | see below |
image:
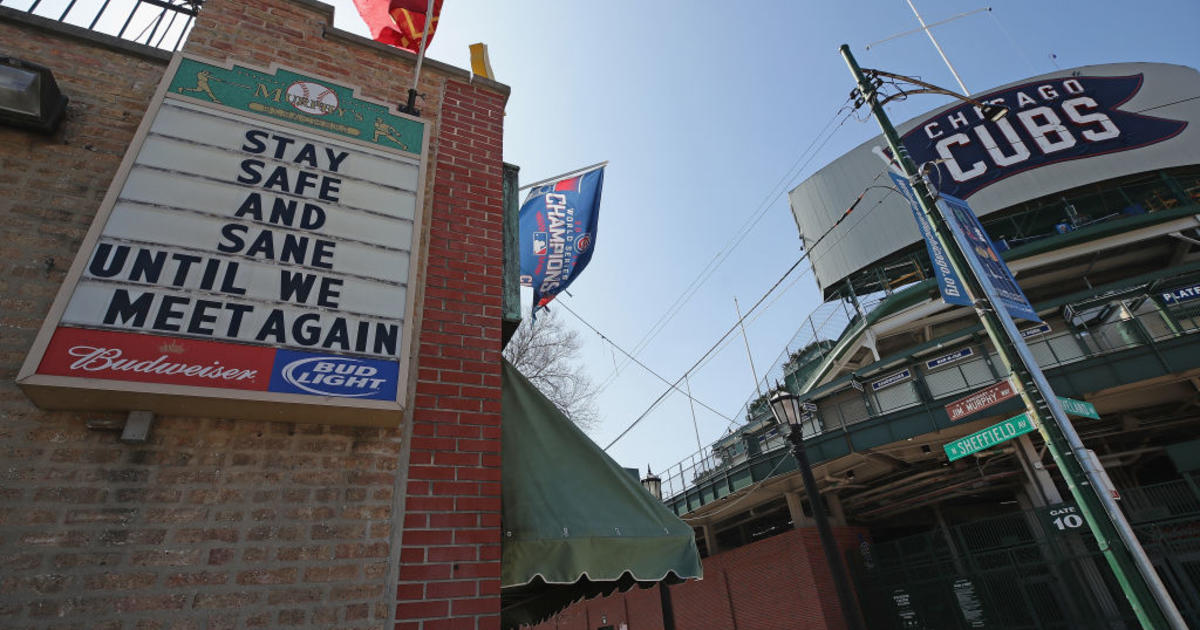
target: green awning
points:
(575, 524)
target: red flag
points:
(399, 23)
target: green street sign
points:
(1079, 408)
(989, 437)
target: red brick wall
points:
(450, 573)
(781, 583)
(221, 523)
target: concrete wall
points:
(218, 523)
(780, 583)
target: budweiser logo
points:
(171, 347)
(100, 359)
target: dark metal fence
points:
(1026, 570)
(162, 24)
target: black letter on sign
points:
(229, 231)
(98, 267)
(328, 296)
(255, 136)
(295, 286)
(121, 307)
(167, 313)
(250, 168)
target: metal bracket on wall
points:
(135, 429)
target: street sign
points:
(891, 379)
(1079, 408)
(947, 359)
(1034, 331)
(981, 400)
(989, 437)
(808, 406)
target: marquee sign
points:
(258, 244)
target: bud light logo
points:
(583, 242)
(329, 375)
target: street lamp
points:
(1132, 569)
(652, 484)
(789, 410)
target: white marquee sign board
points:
(256, 253)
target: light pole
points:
(787, 410)
(652, 483)
(1132, 569)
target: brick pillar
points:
(450, 554)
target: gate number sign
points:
(1063, 517)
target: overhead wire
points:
(861, 217)
(752, 309)
(723, 254)
(642, 365)
(729, 332)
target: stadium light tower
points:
(1136, 575)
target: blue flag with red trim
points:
(558, 233)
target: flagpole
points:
(578, 171)
(411, 106)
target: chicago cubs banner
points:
(558, 232)
(1049, 122)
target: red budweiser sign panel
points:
(980, 400)
(99, 354)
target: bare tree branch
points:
(547, 353)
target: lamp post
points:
(787, 409)
(1115, 538)
(652, 484)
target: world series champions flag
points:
(558, 232)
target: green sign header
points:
(989, 437)
(1079, 408)
(298, 99)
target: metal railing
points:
(163, 24)
(1139, 322)
(813, 340)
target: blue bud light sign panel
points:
(253, 258)
(976, 243)
(1047, 123)
(950, 286)
(558, 233)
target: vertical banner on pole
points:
(965, 225)
(949, 284)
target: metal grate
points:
(1015, 571)
(162, 24)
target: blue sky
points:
(703, 109)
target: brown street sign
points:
(981, 400)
